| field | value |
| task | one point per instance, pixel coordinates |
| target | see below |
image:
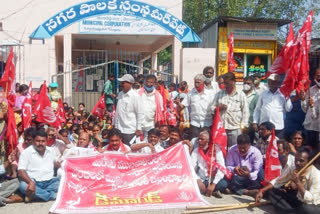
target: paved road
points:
(43, 208)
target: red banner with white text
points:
(110, 182)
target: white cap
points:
(126, 78)
(272, 76)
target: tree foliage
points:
(197, 13)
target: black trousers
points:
(287, 202)
(126, 138)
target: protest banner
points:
(112, 181)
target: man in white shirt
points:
(115, 143)
(152, 103)
(36, 169)
(213, 87)
(129, 112)
(272, 106)
(259, 87)
(198, 102)
(311, 105)
(303, 194)
(151, 146)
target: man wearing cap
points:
(129, 112)
(272, 106)
(54, 95)
(108, 93)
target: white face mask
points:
(208, 80)
(317, 83)
(246, 87)
(256, 82)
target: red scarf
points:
(159, 117)
(215, 166)
(122, 148)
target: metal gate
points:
(91, 71)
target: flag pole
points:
(210, 171)
(6, 89)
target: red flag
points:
(27, 109)
(280, 65)
(218, 133)
(272, 165)
(60, 113)
(171, 118)
(297, 75)
(43, 109)
(11, 134)
(231, 64)
(7, 80)
(99, 108)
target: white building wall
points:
(21, 17)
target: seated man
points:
(53, 141)
(164, 134)
(265, 130)
(36, 169)
(245, 161)
(152, 146)
(200, 158)
(84, 147)
(7, 188)
(175, 137)
(303, 194)
(115, 142)
(287, 168)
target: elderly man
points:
(311, 105)
(152, 102)
(36, 169)
(245, 162)
(272, 106)
(213, 87)
(198, 102)
(129, 112)
(233, 106)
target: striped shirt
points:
(237, 113)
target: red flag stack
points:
(297, 75)
(99, 108)
(43, 109)
(272, 165)
(27, 109)
(231, 64)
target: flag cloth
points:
(7, 81)
(170, 116)
(99, 108)
(11, 134)
(281, 63)
(27, 109)
(43, 109)
(60, 113)
(8, 78)
(218, 133)
(272, 164)
(297, 73)
(231, 64)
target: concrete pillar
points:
(67, 68)
(140, 64)
(176, 59)
(154, 61)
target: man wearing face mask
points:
(213, 87)
(272, 106)
(311, 106)
(252, 99)
(258, 86)
(198, 101)
(233, 106)
(152, 103)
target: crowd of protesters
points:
(147, 117)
